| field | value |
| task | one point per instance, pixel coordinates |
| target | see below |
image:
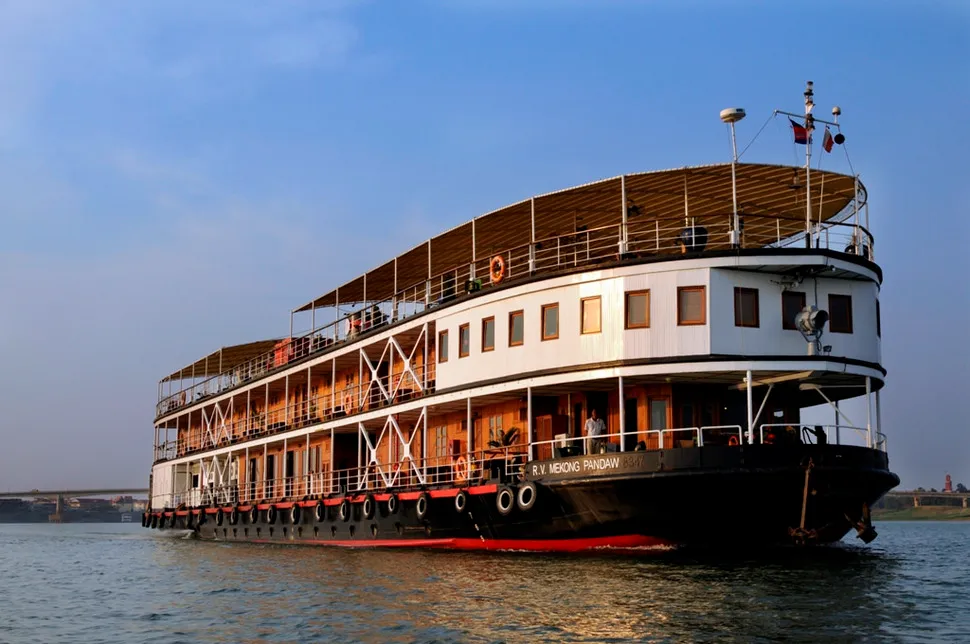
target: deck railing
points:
(500, 464)
(638, 239)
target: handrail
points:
(657, 236)
(481, 466)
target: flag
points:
(801, 133)
(827, 140)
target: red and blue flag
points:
(801, 133)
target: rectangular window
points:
(464, 341)
(442, 346)
(792, 303)
(746, 307)
(550, 321)
(495, 430)
(878, 321)
(441, 441)
(488, 334)
(591, 314)
(637, 309)
(691, 305)
(840, 313)
(516, 328)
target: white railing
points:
(642, 239)
(773, 433)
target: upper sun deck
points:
(641, 217)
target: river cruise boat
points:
(619, 365)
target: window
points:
(591, 314)
(516, 328)
(878, 321)
(840, 313)
(464, 341)
(441, 441)
(442, 346)
(746, 307)
(550, 321)
(488, 334)
(691, 305)
(637, 307)
(495, 429)
(792, 303)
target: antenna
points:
(731, 116)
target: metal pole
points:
(809, 104)
(868, 412)
(306, 465)
(286, 400)
(266, 410)
(474, 258)
(333, 385)
(330, 484)
(736, 227)
(532, 235)
(878, 416)
(622, 417)
(623, 234)
(468, 436)
(747, 380)
(263, 477)
(424, 444)
(528, 411)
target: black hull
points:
(750, 496)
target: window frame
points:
(738, 318)
(444, 344)
(542, 321)
(512, 314)
(467, 329)
(626, 309)
(686, 289)
(599, 320)
(878, 320)
(485, 321)
(848, 328)
(789, 325)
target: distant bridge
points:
(60, 495)
(74, 494)
(917, 496)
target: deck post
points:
(474, 258)
(424, 443)
(747, 380)
(623, 225)
(286, 400)
(330, 485)
(532, 236)
(246, 477)
(528, 411)
(468, 437)
(424, 371)
(622, 416)
(333, 385)
(263, 477)
(266, 409)
(868, 412)
(394, 296)
(286, 472)
(878, 415)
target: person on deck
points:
(595, 431)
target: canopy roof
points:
(223, 360)
(701, 192)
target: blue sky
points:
(175, 176)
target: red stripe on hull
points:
(620, 542)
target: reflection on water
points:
(120, 583)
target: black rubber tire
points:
(345, 510)
(392, 504)
(296, 514)
(319, 512)
(461, 501)
(527, 495)
(271, 515)
(369, 507)
(253, 515)
(423, 506)
(234, 515)
(153, 522)
(504, 500)
(219, 517)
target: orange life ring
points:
(733, 441)
(461, 468)
(496, 269)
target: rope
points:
(768, 120)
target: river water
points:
(121, 583)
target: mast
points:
(809, 104)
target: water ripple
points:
(119, 583)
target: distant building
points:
(948, 485)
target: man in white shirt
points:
(595, 432)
